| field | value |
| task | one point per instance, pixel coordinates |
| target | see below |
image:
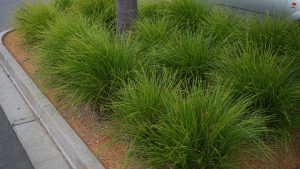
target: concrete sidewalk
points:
(39, 146)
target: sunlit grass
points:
(206, 129)
(33, 18)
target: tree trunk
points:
(127, 12)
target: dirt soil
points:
(94, 131)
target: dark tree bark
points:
(127, 12)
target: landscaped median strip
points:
(72, 147)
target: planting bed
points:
(189, 86)
(94, 131)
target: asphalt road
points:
(6, 11)
(12, 154)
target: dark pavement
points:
(12, 154)
(6, 11)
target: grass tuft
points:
(271, 80)
(152, 9)
(31, 19)
(276, 34)
(207, 129)
(84, 61)
(188, 14)
(50, 52)
(96, 65)
(139, 104)
(103, 10)
(62, 5)
(154, 32)
(225, 25)
(191, 55)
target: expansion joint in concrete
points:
(24, 122)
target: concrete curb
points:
(72, 147)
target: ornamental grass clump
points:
(191, 55)
(225, 25)
(139, 105)
(152, 9)
(154, 32)
(62, 5)
(279, 35)
(51, 51)
(96, 65)
(103, 10)
(272, 81)
(206, 129)
(31, 19)
(84, 61)
(188, 14)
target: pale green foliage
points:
(206, 129)
(33, 18)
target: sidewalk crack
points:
(29, 121)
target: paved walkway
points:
(12, 153)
